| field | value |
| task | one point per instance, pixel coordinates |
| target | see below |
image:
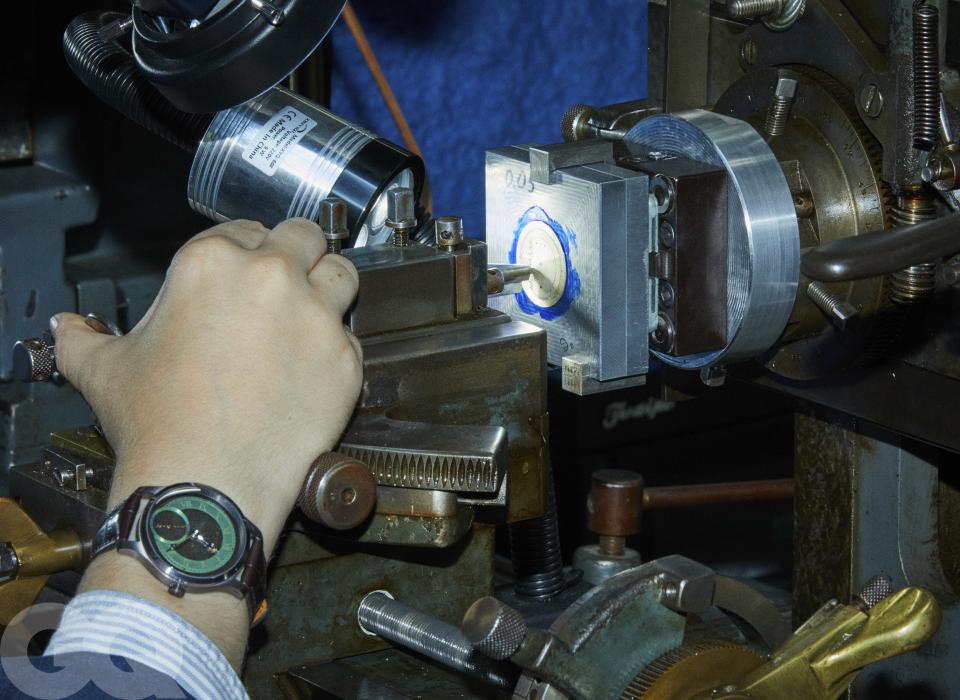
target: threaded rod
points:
(385, 617)
(751, 9)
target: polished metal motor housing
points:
(763, 264)
(279, 155)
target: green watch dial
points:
(194, 534)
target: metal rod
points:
(382, 616)
(714, 494)
(882, 252)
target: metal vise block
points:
(587, 228)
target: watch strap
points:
(116, 527)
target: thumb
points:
(77, 348)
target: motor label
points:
(279, 135)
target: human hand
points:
(239, 375)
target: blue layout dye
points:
(568, 240)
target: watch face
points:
(194, 534)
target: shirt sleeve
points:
(123, 625)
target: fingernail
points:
(54, 322)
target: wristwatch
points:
(193, 538)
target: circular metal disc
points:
(763, 261)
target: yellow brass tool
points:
(824, 656)
(38, 554)
(818, 662)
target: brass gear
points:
(691, 670)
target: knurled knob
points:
(339, 492)
(493, 628)
(875, 590)
(34, 360)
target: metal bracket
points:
(544, 160)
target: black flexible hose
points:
(882, 252)
(109, 71)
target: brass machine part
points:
(818, 662)
(38, 554)
(692, 669)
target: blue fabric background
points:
(472, 75)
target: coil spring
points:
(926, 76)
(915, 283)
(535, 551)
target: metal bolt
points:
(401, 214)
(668, 236)
(752, 9)
(667, 295)
(382, 616)
(840, 312)
(494, 628)
(333, 223)
(779, 111)
(873, 591)
(749, 52)
(871, 101)
(663, 189)
(449, 232)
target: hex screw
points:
(449, 232)
(753, 9)
(401, 215)
(871, 101)
(493, 628)
(382, 616)
(333, 223)
(840, 312)
(779, 111)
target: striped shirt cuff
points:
(120, 624)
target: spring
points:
(535, 551)
(915, 283)
(926, 76)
